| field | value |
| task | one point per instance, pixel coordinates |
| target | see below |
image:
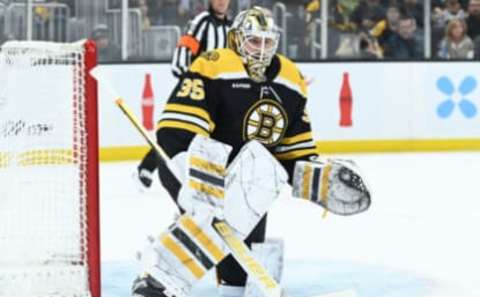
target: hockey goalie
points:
(237, 130)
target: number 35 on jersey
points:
(192, 88)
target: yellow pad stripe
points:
(200, 112)
(181, 125)
(207, 189)
(307, 176)
(182, 256)
(207, 243)
(207, 166)
(296, 154)
(297, 138)
(325, 182)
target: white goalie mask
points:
(254, 36)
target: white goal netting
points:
(44, 171)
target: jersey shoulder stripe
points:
(190, 110)
(219, 64)
(290, 76)
(183, 125)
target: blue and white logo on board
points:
(448, 104)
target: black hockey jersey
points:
(217, 98)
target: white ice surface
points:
(420, 237)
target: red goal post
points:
(49, 201)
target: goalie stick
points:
(238, 248)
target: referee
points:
(205, 32)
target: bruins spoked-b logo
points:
(266, 121)
(210, 55)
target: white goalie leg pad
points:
(270, 255)
(203, 188)
(254, 180)
(156, 263)
(183, 254)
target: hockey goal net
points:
(49, 236)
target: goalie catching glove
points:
(334, 184)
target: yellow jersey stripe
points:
(298, 138)
(182, 256)
(207, 243)
(183, 126)
(193, 110)
(207, 166)
(296, 154)
(207, 189)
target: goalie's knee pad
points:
(270, 255)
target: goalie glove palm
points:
(334, 184)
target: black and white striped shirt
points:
(204, 32)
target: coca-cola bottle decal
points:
(147, 103)
(346, 102)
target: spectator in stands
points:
(476, 48)
(456, 44)
(107, 51)
(415, 9)
(442, 12)
(384, 29)
(473, 19)
(453, 10)
(143, 6)
(406, 43)
(341, 13)
(342, 28)
(369, 48)
(367, 14)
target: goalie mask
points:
(254, 36)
